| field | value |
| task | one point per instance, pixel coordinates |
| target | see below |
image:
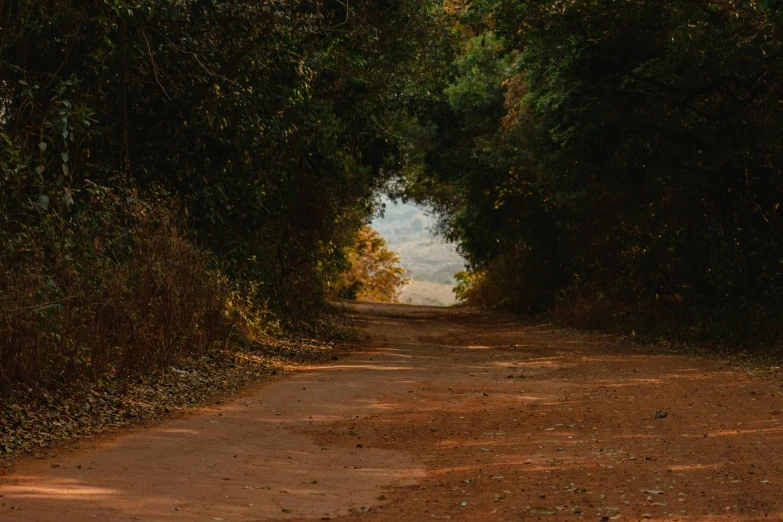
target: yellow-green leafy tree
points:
(373, 273)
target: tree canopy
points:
(270, 123)
(263, 130)
(615, 162)
(624, 151)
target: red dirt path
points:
(443, 414)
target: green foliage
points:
(466, 281)
(268, 125)
(477, 87)
(626, 150)
(268, 121)
(611, 159)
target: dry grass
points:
(113, 314)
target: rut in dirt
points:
(444, 414)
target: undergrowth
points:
(116, 297)
(670, 320)
(37, 422)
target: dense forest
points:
(171, 170)
(176, 172)
(614, 164)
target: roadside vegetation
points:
(614, 164)
(181, 179)
(180, 183)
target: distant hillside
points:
(426, 257)
(426, 293)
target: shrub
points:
(121, 302)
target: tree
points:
(619, 150)
(373, 272)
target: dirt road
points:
(442, 414)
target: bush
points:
(128, 301)
(473, 288)
(589, 310)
